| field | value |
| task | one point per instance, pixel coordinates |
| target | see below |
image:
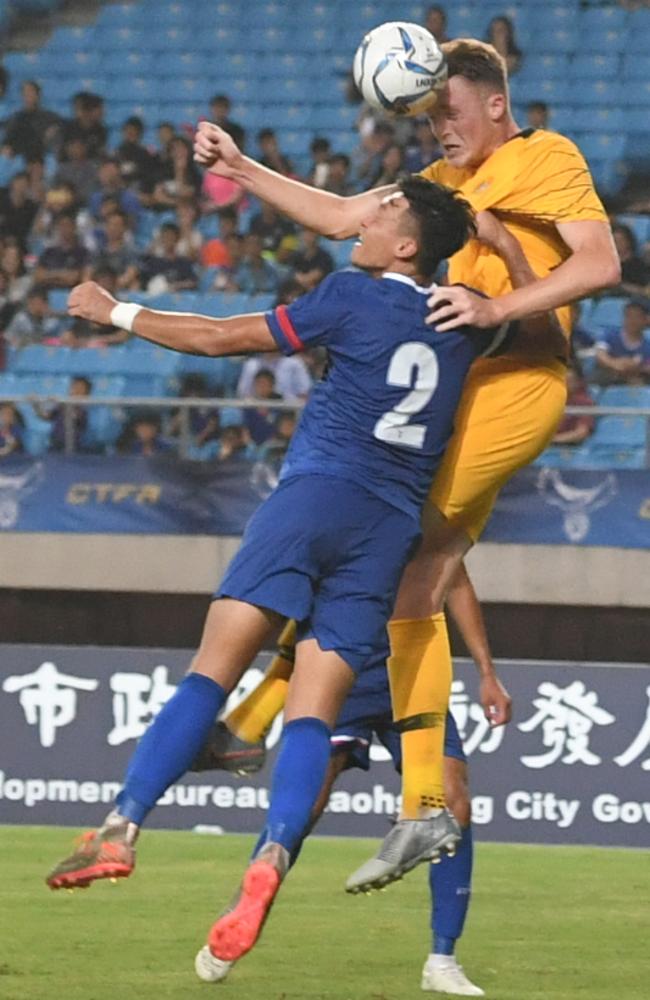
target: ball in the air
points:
(399, 67)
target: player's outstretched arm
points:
(464, 607)
(186, 332)
(326, 213)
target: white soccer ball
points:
(399, 67)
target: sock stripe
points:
(423, 720)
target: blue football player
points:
(329, 545)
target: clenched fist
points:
(90, 301)
(216, 150)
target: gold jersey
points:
(531, 182)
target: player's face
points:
(465, 122)
(382, 235)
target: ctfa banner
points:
(572, 767)
(165, 495)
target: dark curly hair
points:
(444, 219)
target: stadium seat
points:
(603, 17)
(624, 432)
(606, 312)
(555, 39)
(605, 42)
(593, 67)
(626, 395)
(639, 224)
(66, 40)
(599, 92)
(36, 359)
(601, 145)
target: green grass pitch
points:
(545, 924)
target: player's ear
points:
(497, 106)
(407, 248)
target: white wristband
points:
(123, 315)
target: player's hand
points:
(491, 231)
(216, 150)
(90, 301)
(453, 306)
(496, 702)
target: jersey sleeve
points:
(312, 319)
(548, 179)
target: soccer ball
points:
(398, 68)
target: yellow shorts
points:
(508, 414)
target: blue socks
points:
(450, 883)
(170, 744)
(298, 777)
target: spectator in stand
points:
(270, 155)
(110, 184)
(12, 428)
(275, 449)
(233, 445)
(180, 178)
(260, 422)
(17, 209)
(7, 310)
(203, 421)
(61, 265)
(435, 21)
(168, 271)
(270, 226)
(501, 34)
(87, 123)
(166, 132)
(138, 166)
(77, 169)
(320, 162)
(60, 199)
(142, 436)
(220, 106)
(288, 292)
(68, 430)
(292, 379)
(4, 87)
(338, 181)
(32, 131)
(537, 114)
(190, 239)
(224, 279)
(214, 252)
(34, 323)
(392, 166)
(369, 155)
(623, 356)
(117, 253)
(575, 429)
(423, 149)
(19, 281)
(84, 333)
(635, 273)
(255, 275)
(310, 263)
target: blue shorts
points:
(367, 712)
(329, 554)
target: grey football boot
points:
(223, 751)
(409, 843)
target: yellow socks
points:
(420, 682)
(255, 714)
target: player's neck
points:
(403, 268)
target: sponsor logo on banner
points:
(576, 501)
(572, 767)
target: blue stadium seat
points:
(593, 66)
(147, 386)
(603, 119)
(128, 62)
(67, 40)
(124, 87)
(543, 64)
(340, 250)
(36, 359)
(614, 457)
(606, 42)
(553, 90)
(636, 120)
(9, 384)
(599, 92)
(626, 395)
(555, 39)
(624, 432)
(121, 15)
(602, 18)
(601, 145)
(606, 312)
(562, 118)
(636, 66)
(637, 39)
(43, 385)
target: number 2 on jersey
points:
(394, 427)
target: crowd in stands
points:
(139, 217)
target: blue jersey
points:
(384, 413)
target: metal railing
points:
(183, 405)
